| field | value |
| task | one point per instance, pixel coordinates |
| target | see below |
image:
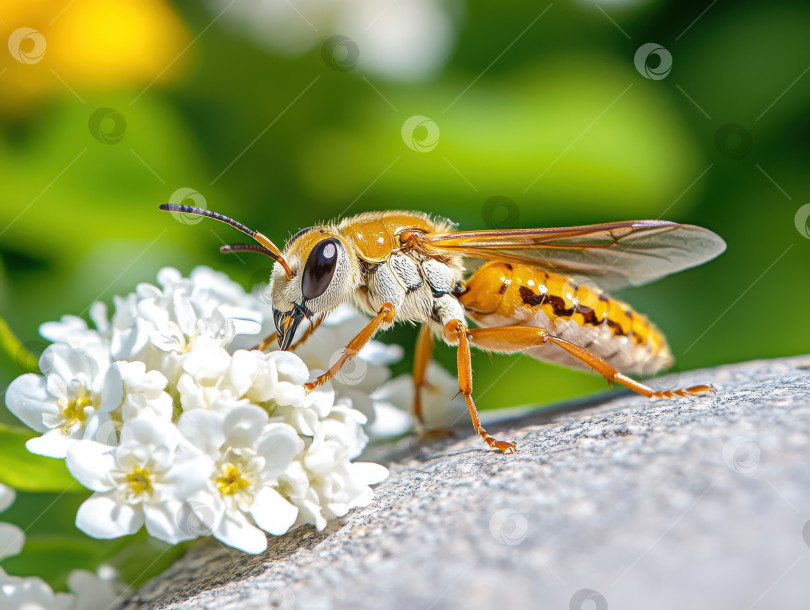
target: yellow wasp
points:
(527, 292)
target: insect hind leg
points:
(612, 374)
(520, 338)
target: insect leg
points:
(313, 326)
(267, 341)
(385, 316)
(520, 338)
(424, 349)
(612, 374)
(457, 332)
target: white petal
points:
(27, 397)
(243, 370)
(129, 343)
(264, 383)
(289, 393)
(145, 291)
(290, 367)
(138, 403)
(162, 521)
(185, 313)
(304, 420)
(203, 429)
(95, 592)
(369, 472)
(191, 393)
(189, 472)
(137, 378)
(389, 421)
(169, 276)
(91, 464)
(398, 391)
(321, 400)
(100, 516)
(51, 444)
(63, 331)
(272, 512)
(151, 431)
(278, 445)
(101, 428)
(112, 392)
(32, 593)
(98, 314)
(7, 496)
(200, 513)
(242, 325)
(235, 530)
(381, 353)
(66, 362)
(244, 424)
(358, 400)
(12, 540)
(207, 364)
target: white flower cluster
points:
(89, 591)
(164, 412)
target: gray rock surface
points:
(616, 502)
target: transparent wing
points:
(614, 254)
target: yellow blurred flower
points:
(55, 46)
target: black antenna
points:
(231, 248)
(269, 247)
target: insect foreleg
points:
(385, 317)
(266, 342)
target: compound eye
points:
(320, 268)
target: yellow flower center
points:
(73, 410)
(231, 480)
(139, 480)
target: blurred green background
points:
(279, 124)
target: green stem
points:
(16, 350)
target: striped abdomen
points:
(502, 294)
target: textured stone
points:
(614, 502)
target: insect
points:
(538, 291)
